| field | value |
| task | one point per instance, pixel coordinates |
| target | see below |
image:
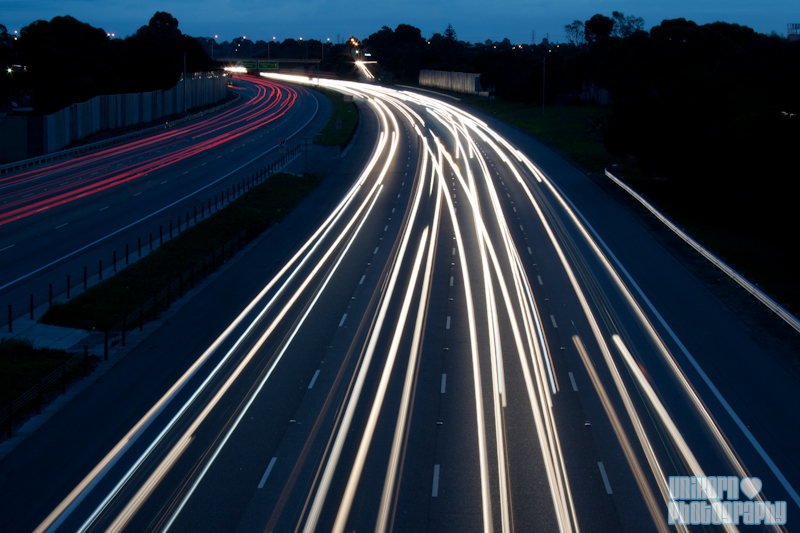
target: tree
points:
(625, 26)
(164, 23)
(576, 33)
(450, 33)
(598, 28)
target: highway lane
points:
(458, 353)
(56, 214)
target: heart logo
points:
(750, 486)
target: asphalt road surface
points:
(473, 338)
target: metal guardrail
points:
(24, 163)
(173, 291)
(771, 304)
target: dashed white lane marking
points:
(444, 382)
(62, 225)
(103, 209)
(520, 227)
(362, 279)
(7, 247)
(605, 477)
(447, 326)
(376, 250)
(554, 321)
(530, 251)
(451, 281)
(266, 474)
(454, 251)
(435, 490)
(386, 227)
(540, 280)
(572, 379)
(137, 194)
(341, 322)
(314, 379)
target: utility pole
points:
(544, 74)
(184, 82)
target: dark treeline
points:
(712, 107)
(67, 61)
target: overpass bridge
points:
(265, 64)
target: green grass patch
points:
(575, 130)
(22, 366)
(105, 305)
(344, 119)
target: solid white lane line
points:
(435, 489)
(540, 279)
(444, 382)
(269, 469)
(448, 323)
(362, 279)
(314, 379)
(341, 322)
(605, 477)
(571, 378)
(62, 225)
(554, 321)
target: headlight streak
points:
(550, 445)
(666, 356)
(377, 403)
(390, 484)
(274, 364)
(540, 385)
(486, 502)
(638, 474)
(700, 407)
(333, 459)
(60, 513)
(239, 368)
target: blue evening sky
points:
(473, 20)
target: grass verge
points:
(105, 305)
(344, 119)
(21, 366)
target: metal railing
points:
(771, 304)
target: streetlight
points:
(212, 47)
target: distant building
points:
(793, 31)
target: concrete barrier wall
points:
(107, 112)
(461, 82)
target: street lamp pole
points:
(544, 74)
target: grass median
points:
(105, 305)
(342, 123)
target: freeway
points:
(454, 347)
(57, 218)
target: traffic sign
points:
(268, 65)
(250, 64)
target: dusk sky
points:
(473, 20)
